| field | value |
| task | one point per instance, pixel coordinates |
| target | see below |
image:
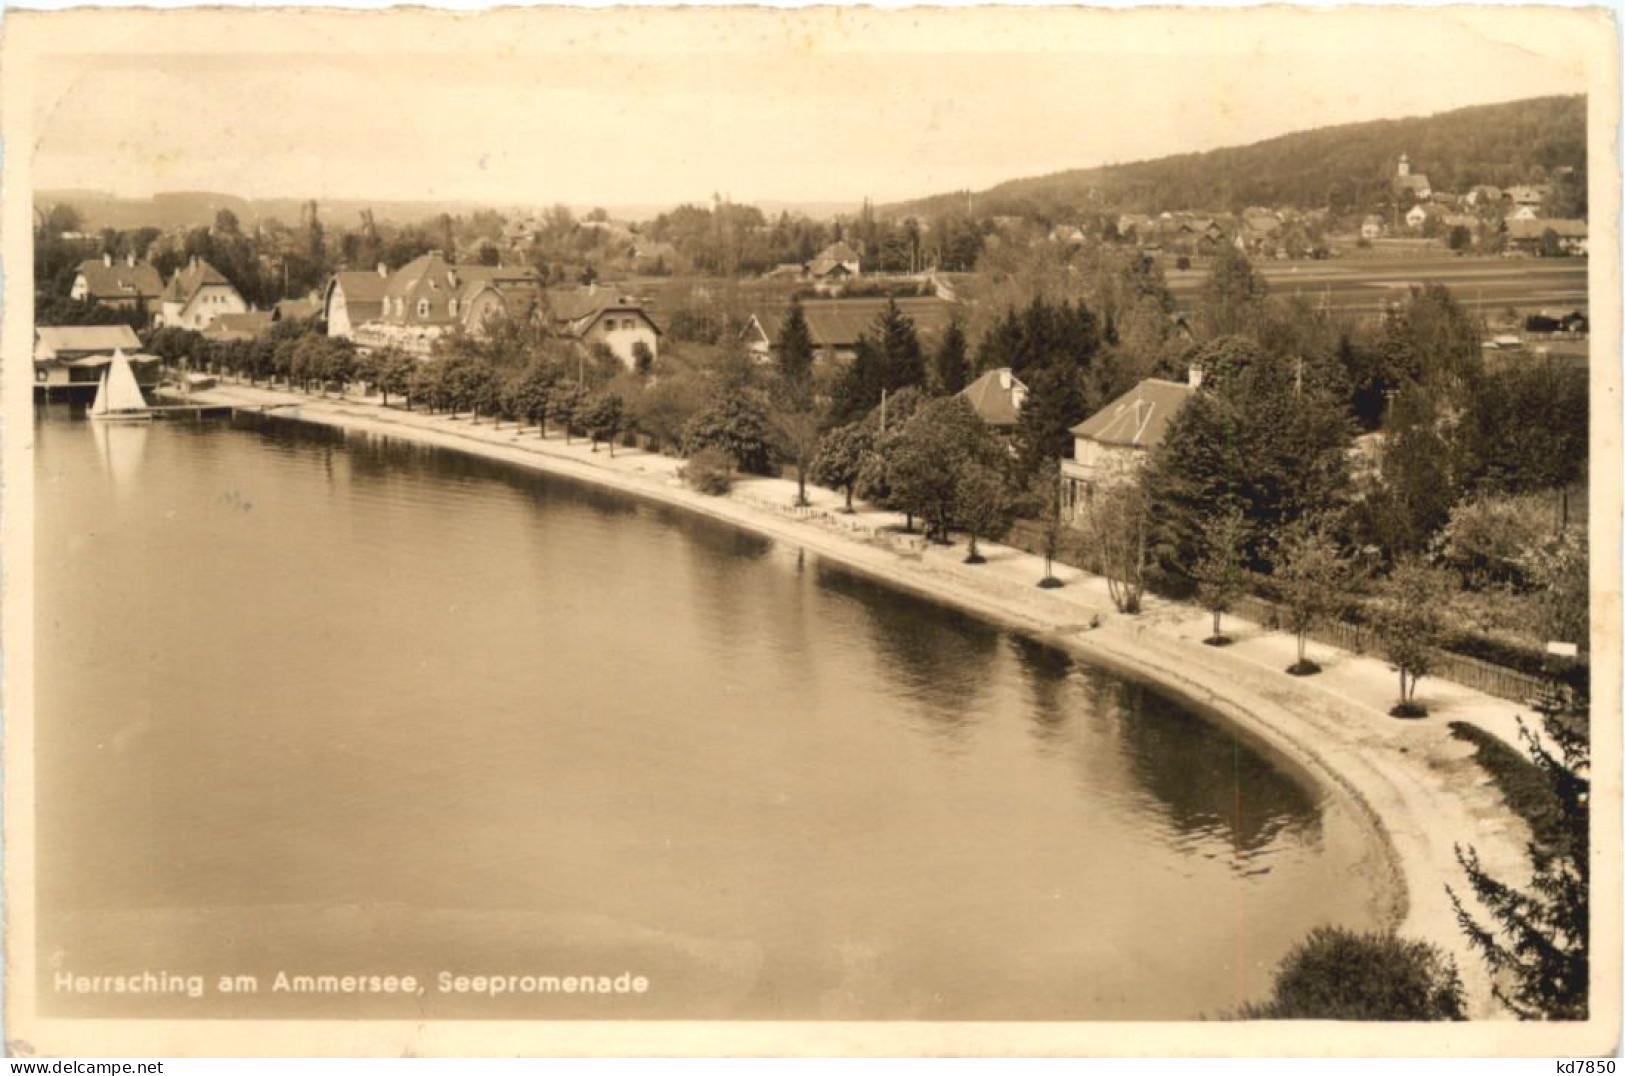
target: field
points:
(1365, 285)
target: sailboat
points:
(118, 397)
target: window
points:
(453, 307)
(423, 308)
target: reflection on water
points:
(323, 701)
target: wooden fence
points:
(1491, 679)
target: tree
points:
(1537, 940)
(1559, 574)
(840, 457)
(643, 359)
(888, 358)
(982, 504)
(1047, 485)
(799, 428)
(603, 415)
(1055, 402)
(795, 348)
(532, 392)
(710, 470)
(1118, 516)
(1408, 626)
(564, 406)
(950, 367)
(930, 452)
(1231, 295)
(1220, 574)
(393, 370)
(738, 425)
(1310, 576)
(1336, 974)
(668, 405)
(1460, 237)
(1417, 490)
(1272, 441)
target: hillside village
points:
(1092, 356)
(600, 543)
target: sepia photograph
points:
(813, 530)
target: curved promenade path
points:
(1410, 783)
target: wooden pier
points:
(193, 411)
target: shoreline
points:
(1411, 799)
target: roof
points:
(837, 323)
(1416, 181)
(249, 323)
(60, 338)
(580, 308)
(1139, 418)
(296, 310)
(1534, 229)
(360, 285)
(996, 397)
(192, 278)
(431, 278)
(121, 280)
(838, 251)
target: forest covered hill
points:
(1347, 167)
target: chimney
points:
(129, 259)
(383, 270)
(107, 258)
(1194, 375)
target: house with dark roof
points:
(429, 297)
(353, 298)
(596, 315)
(74, 356)
(126, 284)
(1530, 235)
(229, 328)
(996, 397)
(197, 294)
(1113, 444)
(308, 308)
(836, 324)
(836, 261)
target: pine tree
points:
(1537, 940)
(951, 367)
(795, 348)
(902, 363)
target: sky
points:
(658, 107)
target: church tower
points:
(1404, 165)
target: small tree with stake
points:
(982, 504)
(1221, 577)
(1051, 520)
(1408, 626)
(1309, 574)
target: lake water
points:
(321, 703)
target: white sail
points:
(123, 394)
(99, 406)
